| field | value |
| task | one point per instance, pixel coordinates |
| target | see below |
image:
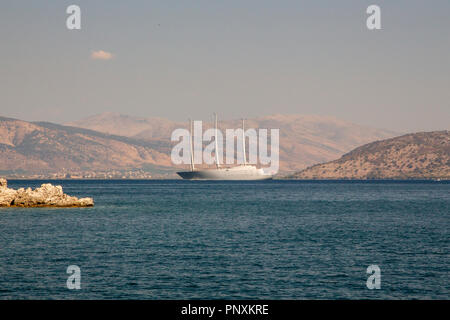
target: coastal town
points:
(107, 174)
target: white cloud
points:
(101, 55)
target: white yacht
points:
(239, 172)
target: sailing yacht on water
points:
(239, 172)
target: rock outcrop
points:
(45, 196)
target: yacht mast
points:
(243, 141)
(190, 145)
(216, 151)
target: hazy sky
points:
(180, 59)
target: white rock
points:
(46, 195)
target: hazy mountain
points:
(40, 147)
(128, 126)
(304, 139)
(423, 155)
(43, 148)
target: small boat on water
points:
(239, 172)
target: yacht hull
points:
(224, 174)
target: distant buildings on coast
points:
(107, 174)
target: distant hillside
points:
(304, 139)
(424, 155)
(129, 126)
(39, 147)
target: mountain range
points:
(119, 145)
(304, 139)
(43, 148)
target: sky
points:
(181, 59)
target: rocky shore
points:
(46, 195)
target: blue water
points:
(230, 240)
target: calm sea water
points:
(230, 240)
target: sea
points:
(280, 239)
